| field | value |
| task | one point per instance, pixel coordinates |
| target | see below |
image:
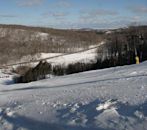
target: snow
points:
(105, 105)
(38, 56)
(43, 36)
(87, 56)
(84, 57)
(108, 99)
(46, 55)
(109, 32)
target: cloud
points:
(86, 19)
(63, 4)
(136, 18)
(97, 23)
(138, 9)
(59, 14)
(102, 12)
(8, 16)
(97, 13)
(29, 3)
(115, 21)
(56, 15)
(96, 16)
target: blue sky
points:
(100, 14)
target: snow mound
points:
(106, 105)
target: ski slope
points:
(63, 59)
(108, 99)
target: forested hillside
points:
(121, 45)
(18, 41)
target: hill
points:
(23, 43)
(17, 41)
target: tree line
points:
(122, 47)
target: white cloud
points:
(97, 13)
(138, 9)
(8, 16)
(63, 3)
(96, 17)
(56, 15)
(29, 3)
(103, 12)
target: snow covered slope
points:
(87, 56)
(109, 99)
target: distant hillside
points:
(17, 41)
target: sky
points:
(70, 14)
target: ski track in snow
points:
(108, 99)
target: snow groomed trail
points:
(108, 99)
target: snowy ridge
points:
(109, 99)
